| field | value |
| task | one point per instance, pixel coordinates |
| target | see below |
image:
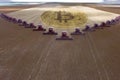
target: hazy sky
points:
(4, 0)
(58, 0)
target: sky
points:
(51, 0)
(61, 0)
(58, 1)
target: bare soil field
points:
(28, 55)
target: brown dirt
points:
(28, 55)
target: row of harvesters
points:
(64, 34)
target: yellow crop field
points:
(63, 19)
